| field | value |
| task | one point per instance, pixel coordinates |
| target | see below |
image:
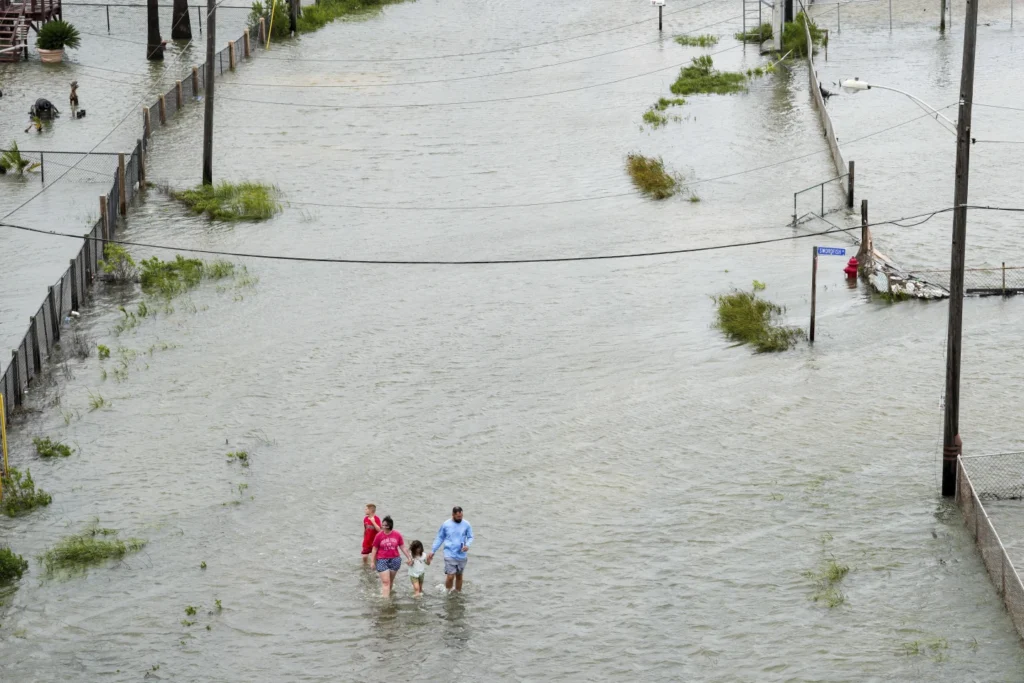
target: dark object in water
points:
(80, 114)
(44, 109)
(825, 94)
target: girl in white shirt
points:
(417, 567)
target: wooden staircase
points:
(13, 32)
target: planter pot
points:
(51, 56)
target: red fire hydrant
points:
(851, 268)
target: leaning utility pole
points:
(211, 40)
(951, 423)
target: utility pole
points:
(951, 423)
(942, 15)
(211, 40)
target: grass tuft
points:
(650, 176)
(12, 565)
(794, 39)
(92, 546)
(232, 201)
(703, 40)
(702, 77)
(654, 119)
(48, 448)
(240, 456)
(103, 351)
(20, 494)
(749, 319)
(118, 265)
(758, 34)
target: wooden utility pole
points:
(293, 16)
(942, 15)
(951, 423)
(211, 41)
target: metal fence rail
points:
(1001, 280)
(41, 342)
(968, 498)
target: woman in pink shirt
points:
(386, 548)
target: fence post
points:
(17, 379)
(89, 259)
(863, 254)
(145, 123)
(179, 94)
(231, 55)
(195, 81)
(106, 226)
(140, 149)
(1004, 278)
(849, 195)
(123, 194)
(163, 111)
(263, 30)
(245, 44)
(54, 315)
(42, 167)
(74, 285)
(37, 358)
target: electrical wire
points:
(482, 262)
(464, 78)
(486, 52)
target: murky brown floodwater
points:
(646, 497)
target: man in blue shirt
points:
(457, 535)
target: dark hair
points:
(456, 509)
(388, 523)
(416, 548)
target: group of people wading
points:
(383, 548)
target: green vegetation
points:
(702, 77)
(827, 579)
(58, 34)
(232, 201)
(20, 494)
(316, 16)
(118, 265)
(650, 176)
(190, 611)
(749, 319)
(12, 160)
(664, 103)
(96, 401)
(12, 566)
(794, 39)
(202, 565)
(103, 351)
(758, 34)
(654, 119)
(217, 605)
(240, 456)
(704, 40)
(936, 646)
(278, 28)
(48, 448)
(894, 297)
(171, 278)
(92, 546)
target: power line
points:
(997, 106)
(465, 78)
(469, 102)
(483, 262)
(487, 52)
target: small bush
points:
(748, 319)
(654, 119)
(170, 278)
(664, 103)
(279, 27)
(12, 566)
(705, 40)
(701, 77)
(12, 160)
(92, 546)
(232, 201)
(650, 176)
(758, 34)
(20, 494)
(48, 448)
(58, 34)
(794, 39)
(240, 456)
(118, 265)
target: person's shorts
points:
(367, 549)
(418, 579)
(392, 564)
(452, 566)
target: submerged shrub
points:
(758, 34)
(12, 566)
(170, 278)
(704, 40)
(118, 265)
(650, 176)
(232, 201)
(47, 448)
(702, 77)
(749, 319)
(20, 494)
(92, 546)
(654, 119)
(794, 39)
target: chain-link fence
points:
(42, 340)
(1002, 280)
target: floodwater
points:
(648, 499)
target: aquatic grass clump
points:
(702, 77)
(118, 265)
(239, 456)
(47, 448)
(654, 119)
(316, 16)
(170, 278)
(12, 565)
(749, 319)
(650, 176)
(664, 103)
(232, 201)
(758, 34)
(794, 39)
(703, 40)
(92, 546)
(20, 494)
(827, 579)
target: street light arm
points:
(921, 103)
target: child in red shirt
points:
(371, 525)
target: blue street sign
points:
(831, 251)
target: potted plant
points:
(54, 36)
